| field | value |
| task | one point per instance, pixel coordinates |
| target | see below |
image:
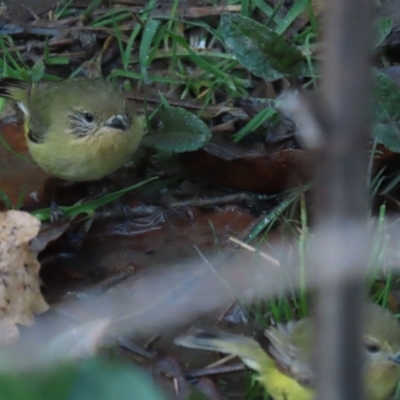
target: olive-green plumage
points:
(284, 359)
(79, 129)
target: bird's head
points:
(84, 122)
(381, 342)
(92, 108)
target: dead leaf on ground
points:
(169, 375)
(48, 233)
(233, 165)
(160, 240)
(18, 176)
(20, 295)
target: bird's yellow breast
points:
(85, 158)
(378, 384)
(381, 379)
(282, 387)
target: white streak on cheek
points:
(23, 108)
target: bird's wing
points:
(14, 89)
(244, 347)
(39, 104)
(289, 346)
(29, 101)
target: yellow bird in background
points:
(285, 367)
(78, 129)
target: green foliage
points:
(6, 200)
(90, 379)
(261, 50)
(90, 206)
(386, 112)
(197, 395)
(53, 60)
(13, 65)
(181, 131)
(298, 7)
(63, 9)
(383, 27)
(263, 116)
(149, 33)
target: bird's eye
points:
(372, 347)
(88, 117)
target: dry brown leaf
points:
(19, 176)
(20, 295)
(234, 165)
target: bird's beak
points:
(118, 122)
(395, 358)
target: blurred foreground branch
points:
(341, 198)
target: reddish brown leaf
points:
(16, 174)
(165, 239)
(232, 165)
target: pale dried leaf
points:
(20, 295)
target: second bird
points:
(283, 355)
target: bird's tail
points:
(15, 89)
(212, 339)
